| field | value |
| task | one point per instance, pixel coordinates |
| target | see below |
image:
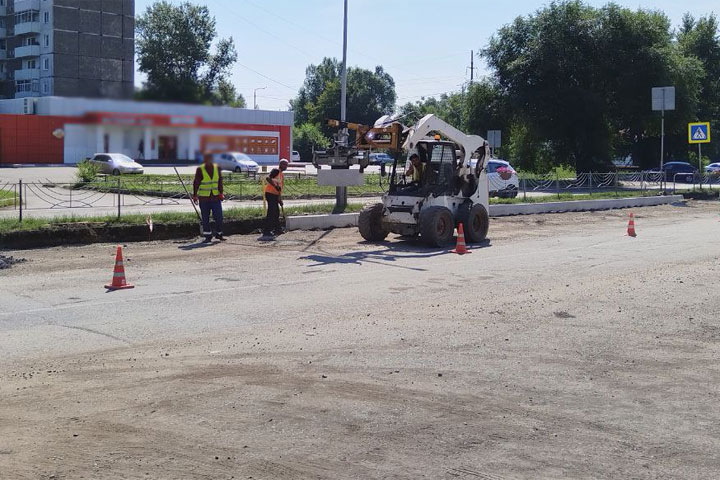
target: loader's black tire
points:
(437, 226)
(476, 224)
(370, 223)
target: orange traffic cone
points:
(119, 282)
(460, 248)
(631, 226)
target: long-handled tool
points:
(282, 209)
(190, 197)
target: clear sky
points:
(425, 45)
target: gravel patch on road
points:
(7, 262)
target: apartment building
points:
(68, 48)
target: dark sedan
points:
(679, 172)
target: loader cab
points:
(440, 164)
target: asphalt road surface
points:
(560, 349)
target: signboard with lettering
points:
(250, 145)
(142, 120)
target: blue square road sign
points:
(699, 132)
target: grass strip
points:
(237, 187)
(7, 198)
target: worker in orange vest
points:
(275, 182)
(208, 192)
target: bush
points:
(86, 171)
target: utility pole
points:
(255, 105)
(472, 66)
(341, 192)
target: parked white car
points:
(295, 156)
(235, 162)
(380, 159)
(116, 163)
(502, 177)
(713, 169)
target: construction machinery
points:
(452, 188)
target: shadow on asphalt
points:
(392, 252)
(195, 246)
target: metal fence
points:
(119, 195)
(594, 182)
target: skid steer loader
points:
(452, 189)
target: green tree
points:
(577, 79)
(173, 44)
(699, 39)
(306, 137)
(226, 94)
(484, 109)
(447, 107)
(370, 95)
(474, 111)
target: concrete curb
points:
(581, 205)
(324, 222)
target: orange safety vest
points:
(270, 188)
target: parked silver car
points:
(713, 169)
(235, 162)
(116, 163)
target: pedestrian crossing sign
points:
(699, 132)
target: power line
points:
(324, 38)
(291, 22)
(433, 59)
(270, 34)
(428, 80)
(410, 81)
(430, 95)
(268, 78)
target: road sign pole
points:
(700, 164)
(663, 98)
(662, 141)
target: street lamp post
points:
(255, 105)
(341, 192)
